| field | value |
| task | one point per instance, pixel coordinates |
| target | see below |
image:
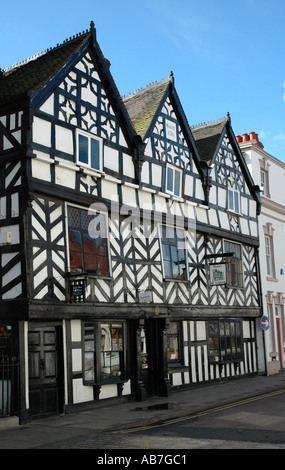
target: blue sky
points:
(226, 55)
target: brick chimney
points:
(252, 137)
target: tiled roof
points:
(207, 137)
(26, 77)
(143, 105)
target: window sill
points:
(90, 171)
(87, 275)
(166, 279)
(272, 279)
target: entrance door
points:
(45, 370)
(152, 357)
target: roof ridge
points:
(205, 124)
(40, 54)
(147, 87)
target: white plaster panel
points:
(64, 139)
(108, 391)
(48, 105)
(42, 132)
(81, 393)
(128, 166)
(111, 158)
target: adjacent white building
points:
(269, 173)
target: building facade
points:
(268, 172)
(129, 241)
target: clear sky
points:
(226, 55)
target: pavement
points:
(49, 432)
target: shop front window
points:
(173, 342)
(103, 352)
(225, 341)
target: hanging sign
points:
(218, 274)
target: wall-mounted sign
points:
(145, 297)
(264, 323)
(77, 291)
(218, 274)
(170, 129)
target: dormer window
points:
(173, 180)
(233, 201)
(89, 151)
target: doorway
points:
(45, 353)
(152, 356)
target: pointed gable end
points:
(231, 189)
(171, 163)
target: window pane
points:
(115, 364)
(83, 149)
(95, 154)
(73, 217)
(166, 252)
(101, 246)
(74, 240)
(236, 201)
(174, 254)
(177, 183)
(89, 372)
(231, 200)
(167, 269)
(75, 261)
(170, 179)
(102, 265)
(117, 337)
(88, 244)
(89, 262)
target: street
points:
(254, 423)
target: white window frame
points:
(89, 137)
(173, 190)
(269, 256)
(235, 206)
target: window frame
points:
(172, 247)
(235, 206)
(175, 361)
(90, 138)
(95, 354)
(236, 262)
(269, 256)
(172, 189)
(82, 270)
(228, 344)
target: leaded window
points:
(225, 341)
(87, 253)
(104, 347)
(173, 253)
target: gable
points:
(231, 192)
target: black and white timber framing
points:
(51, 307)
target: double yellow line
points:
(202, 413)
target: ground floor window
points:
(174, 342)
(225, 341)
(104, 352)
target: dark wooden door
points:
(45, 370)
(152, 375)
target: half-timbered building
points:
(128, 239)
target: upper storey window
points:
(87, 254)
(233, 201)
(264, 184)
(89, 151)
(173, 180)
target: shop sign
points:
(218, 275)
